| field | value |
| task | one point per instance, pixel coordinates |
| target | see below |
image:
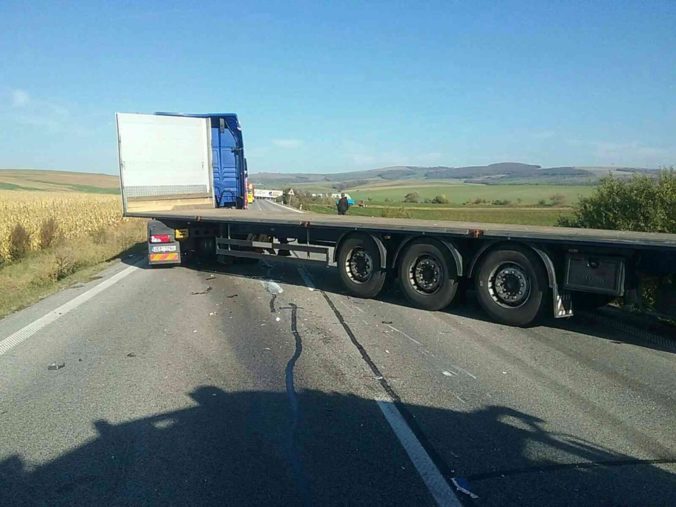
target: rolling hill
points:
(500, 173)
(58, 181)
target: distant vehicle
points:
(519, 272)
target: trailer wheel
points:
(512, 286)
(427, 275)
(359, 265)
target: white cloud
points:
(287, 143)
(20, 98)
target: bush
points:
(48, 232)
(542, 202)
(641, 203)
(440, 199)
(557, 199)
(412, 197)
(501, 202)
(19, 242)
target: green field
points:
(457, 194)
(532, 216)
(59, 181)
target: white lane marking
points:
(26, 332)
(404, 334)
(428, 471)
(464, 371)
(286, 207)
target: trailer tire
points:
(359, 266)
(428, 275)
(512, 286)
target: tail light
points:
(160, 238)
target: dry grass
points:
(64, 263)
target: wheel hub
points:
(426, 274)
(510, 285)
(359, 265)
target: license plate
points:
(163, 248)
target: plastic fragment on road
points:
(203, 290)
(131, 354)
(278, 319)
(462, 485)
(387, 322)
(56, 366)
(210, 277)
(232, 296)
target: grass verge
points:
(69, 261)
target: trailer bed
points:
(571, 236)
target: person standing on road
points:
(342, 205)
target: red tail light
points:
(160, 238)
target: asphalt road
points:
(263, 384)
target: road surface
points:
(263, 384)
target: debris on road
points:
(56, 366)
(211, 314)
(387, 322)
(203, 290)
(210, 277)
(232, 296)
(462, 485)
(278, 319)
(131, 354)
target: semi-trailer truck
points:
(167, 174)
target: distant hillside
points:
(500, 173)
(58, 181)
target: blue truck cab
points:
(227, 157)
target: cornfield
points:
(75, 214)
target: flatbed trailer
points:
(519, 272)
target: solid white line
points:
(26, 332)
(428, 471)
(285, 207)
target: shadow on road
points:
(244, 448)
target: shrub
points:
(501, 202)
(542, 202)
(641, 203)
(48, 232)
(412, 197)
(440, 199)
(557, 199)
(19, 242)
(64, 264)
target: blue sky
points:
(334, 86)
